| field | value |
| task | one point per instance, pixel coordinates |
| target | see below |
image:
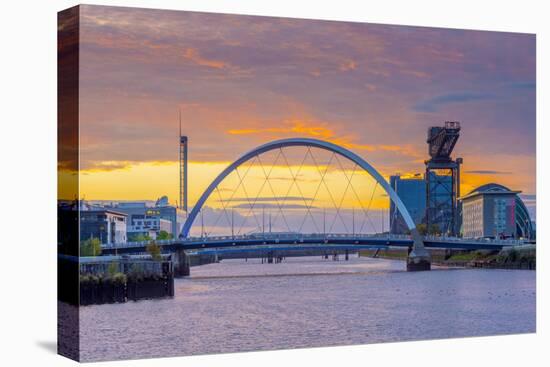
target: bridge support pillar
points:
(182, 264)
(418, 258)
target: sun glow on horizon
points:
(150, 180)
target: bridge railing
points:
(319, 236)
(137, 243)
(298, 236)
(267, 236)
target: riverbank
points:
(521, 258)
(120, 288)
(114, 279)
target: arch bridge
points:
(418, 258)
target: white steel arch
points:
(306, 142)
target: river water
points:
(237, 306)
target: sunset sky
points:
(241, 81)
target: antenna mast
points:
(183, 169)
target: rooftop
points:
(489, 189)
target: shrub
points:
(112, 269)
(136, 272)
(119, 278)
(84, 279)
(154, 250)
(89, 279)
(163, 235)
(90, 247)
(513, 255)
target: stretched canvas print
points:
(233, 183)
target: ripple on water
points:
(310, 302)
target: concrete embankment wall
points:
(105, 291)
(115, 279)
(198, 260)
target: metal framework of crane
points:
(443, 178)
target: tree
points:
(434, 229)
(154, 250)
(139, 237)
(90, 247)
(163, 235)
(422, 229)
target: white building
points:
(108, 226)
(489, 214)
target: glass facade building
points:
(412, 192)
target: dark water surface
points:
(310, 302)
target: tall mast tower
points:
(183, 169)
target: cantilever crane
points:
(442, 140)
(443, 178)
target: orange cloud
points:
(348, 65)
(298, 126)
(105, 166)
(391, 148)
(257, 131)
(320, 130)
(193, 55)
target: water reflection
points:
(309, 302)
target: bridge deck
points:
(300, 241)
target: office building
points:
(107, 225)
(412, 192)
(494, 211)
(148, 219)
